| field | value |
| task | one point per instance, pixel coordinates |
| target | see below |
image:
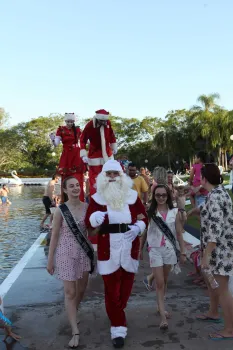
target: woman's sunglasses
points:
(161, 195)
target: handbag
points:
(79, 236)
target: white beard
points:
(114, 193)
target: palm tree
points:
(203, 117)
(208, 101)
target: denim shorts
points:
(4, 199)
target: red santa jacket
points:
(102, 143)
(132, 213)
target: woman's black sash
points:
(81, 239)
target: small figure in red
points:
(102, 145)
(70, 161)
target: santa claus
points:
(102, 145)
(118, 217)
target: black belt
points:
(113, 228)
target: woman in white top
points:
(163, 243)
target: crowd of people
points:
(131, 208)
(109, 211)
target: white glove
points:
(132, 234)
(114, 151)
(85, 160)
(97, 218)
(52, 136)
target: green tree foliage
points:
(150, 141)
(35, 142)
(28, 144)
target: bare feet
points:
(167, 314)
(163, 325)
(74, 342)
(14, 336)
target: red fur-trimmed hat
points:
(102, 114)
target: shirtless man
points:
(4, 194)
(48, 197)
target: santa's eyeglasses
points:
(109, 173)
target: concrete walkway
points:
(35, 305)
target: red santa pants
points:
(80, 178)
(118, 286)
(93, 173)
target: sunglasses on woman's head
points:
(164, 195)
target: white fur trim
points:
(109, 266)
(102, 116)
(112, 165)
(83, 153)
(103, 144)
(118, 332)
(57, 140)
(97, 161)
(131, 198)
(129, 264)
(141, 224)
(122, 216)
(120, 255)
(113, 146)
(70, 116)
(120, 248)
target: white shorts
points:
(162, 256)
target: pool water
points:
(19, 224)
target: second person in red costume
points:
(98, 133)
(70, 162)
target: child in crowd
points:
(198, 193)
(55, 203)
(4, 191)
(6, 324)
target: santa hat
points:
(101, 114)
(112, 165)
(70, 116)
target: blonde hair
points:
(160, 175)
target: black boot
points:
(118, 342)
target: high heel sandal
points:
(74, 342)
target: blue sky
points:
(134, 58)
